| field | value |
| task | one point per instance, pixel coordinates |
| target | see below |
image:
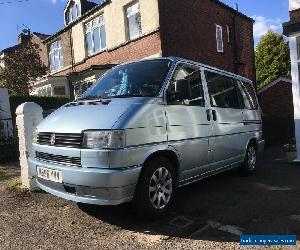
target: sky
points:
(46, 16)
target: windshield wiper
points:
(127, 95)
(87, 98)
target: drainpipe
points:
(235, 48)
(71, 87)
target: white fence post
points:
(29, 115)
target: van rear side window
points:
(248, 92)
(222, 90)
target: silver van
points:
(144, 129)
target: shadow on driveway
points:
(222, 207)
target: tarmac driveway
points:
(210, 214)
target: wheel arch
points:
(252, 140)
(169, 152)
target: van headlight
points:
(104, 139)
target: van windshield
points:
(141, 79)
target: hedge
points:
(45, 102)
(9, 149)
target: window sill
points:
(96, 53)
(134, 38)
(55, 70)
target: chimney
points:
(23, 39)
(294, 8)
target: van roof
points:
(180, 59)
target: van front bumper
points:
(89, 185)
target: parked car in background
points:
(144, 129)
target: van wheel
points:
(155, 190)
(249, 165)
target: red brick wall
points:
(135, 50)
(189, 31)
(65, 39)
(43, 51)
(295, 15)
(277, 101)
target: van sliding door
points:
(227, 142)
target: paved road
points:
(208, 215)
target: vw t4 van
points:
(143, 130)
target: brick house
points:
(98, 36)
(278, 112)
(24, 39)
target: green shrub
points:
(290, 146)
(44, 101)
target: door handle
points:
(208, 115)
(214, 115)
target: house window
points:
(134, 26)
(59, 90)
(95, 35)
(219, 38)
(55, 56)
(80, 88)
(74, 13)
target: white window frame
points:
(219, 39)
(89, 29)
(133, 13)
(59, 86)
(77, 10)
(58, 49)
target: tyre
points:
(155, 190)
(249, 165)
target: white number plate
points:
(49, 174)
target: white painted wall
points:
(5, 114)
(296, 88)
(294, 4)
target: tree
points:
(272, 58)
(21, 67)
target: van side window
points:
(222, 90)
(248, 94)
(191, 93)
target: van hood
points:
(77, 118)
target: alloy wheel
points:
(160, 188)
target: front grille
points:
(60, 159)
(60, 139)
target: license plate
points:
(49, 174)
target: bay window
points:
(134, 26)
(55, 56)
(95, 35)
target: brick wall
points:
(135, 50)
(43, 51)
(295, 15)
(278, 113)
(66, 45)
(277, 101)
(188, 30)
